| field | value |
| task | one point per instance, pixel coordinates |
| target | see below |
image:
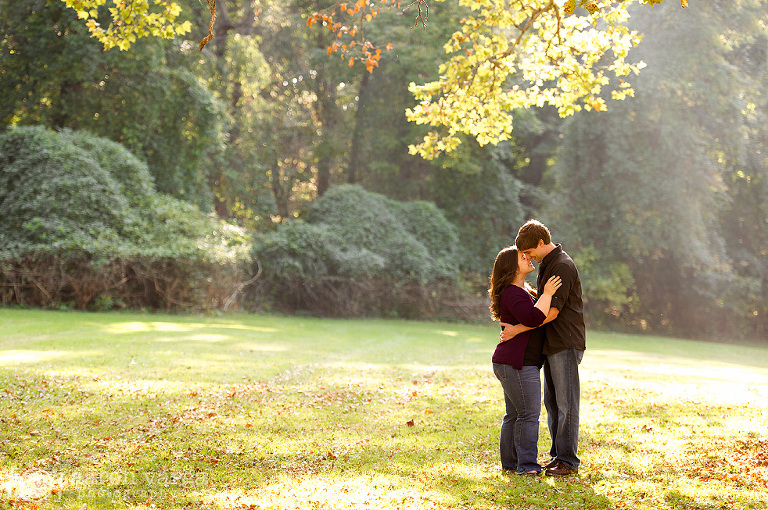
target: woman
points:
(516, 362)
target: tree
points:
(379, 158)
(235, 70)
(314, 101)
(129, 20)
(649, 196)
(146, 99)
(532, 54)
(506, 56)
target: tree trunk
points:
(355, 156)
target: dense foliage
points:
(149, 100)
(651, 193)
(359, 252)
(82, 223)
(660, 199)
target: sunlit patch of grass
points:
(335, 492)
(136, 411)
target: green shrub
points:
(55, 197)
(409, 240)
(359, 253)
(82, 222)
(132, 175)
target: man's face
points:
(536, 253)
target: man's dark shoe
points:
(552, 463)
(561, 469)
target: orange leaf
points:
(351, 61)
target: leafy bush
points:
(357, 253)
(81, 220)
(55, 197)
(412, 240)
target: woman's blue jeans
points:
(520, 426)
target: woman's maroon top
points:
(516, 307)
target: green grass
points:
(137, 411)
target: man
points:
(564, 345)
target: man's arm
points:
(510, 331)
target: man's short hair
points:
(529, 235)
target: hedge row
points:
(358, 253)
(82, 224)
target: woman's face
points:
(524, 264)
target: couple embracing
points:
(546, 332)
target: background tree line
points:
(660, 199)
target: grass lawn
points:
(250, 412)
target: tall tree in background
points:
(235, 71)
(379, 158)
(642, 188)
(315, 91)
(54, 74)
(477, 187)
(742, 140)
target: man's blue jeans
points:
(520, 426)
(562, 393)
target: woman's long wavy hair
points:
(504, 270)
